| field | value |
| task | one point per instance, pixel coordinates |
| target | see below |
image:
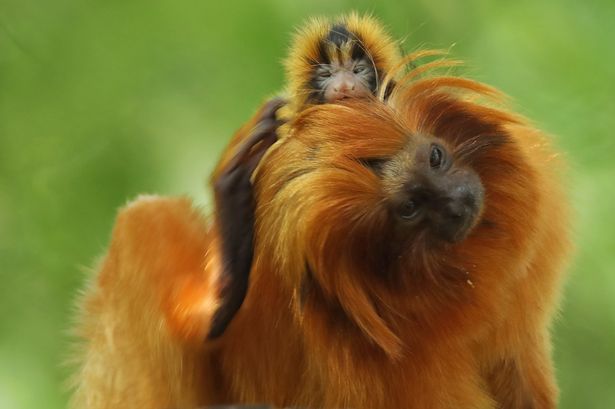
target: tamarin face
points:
(429, 189)
(343, 68)
(330, 61)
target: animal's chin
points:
(345, 97)
(341, 98)
(434, 237)
(455, 233)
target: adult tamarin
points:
(408, 254)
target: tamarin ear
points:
(234, 197)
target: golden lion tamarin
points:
(408, 253)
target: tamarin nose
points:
(448, 205)
(345, 87)
(461, 199)
(455, 212)
(453, 218)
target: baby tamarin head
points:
(333, 60)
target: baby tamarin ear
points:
(344, 58)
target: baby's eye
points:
(323, 72)
(359, 69)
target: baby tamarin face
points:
(343, 69)
(331, 61)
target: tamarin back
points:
(408, 253)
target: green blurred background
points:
(103, 100)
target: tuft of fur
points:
(342, 311)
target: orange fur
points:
(141, 302)
(328, 322)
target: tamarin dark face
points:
(428, 189)
(344, 69)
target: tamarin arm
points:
(234, 198)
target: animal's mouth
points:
(344, 97)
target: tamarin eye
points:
(436, 156)
(324, 73)
(374, 164)
(409, 210)
(359, 69)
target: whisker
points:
(408, 60)
(470, 148)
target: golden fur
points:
(331, 321)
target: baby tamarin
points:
(329, 61)
(408, 254)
